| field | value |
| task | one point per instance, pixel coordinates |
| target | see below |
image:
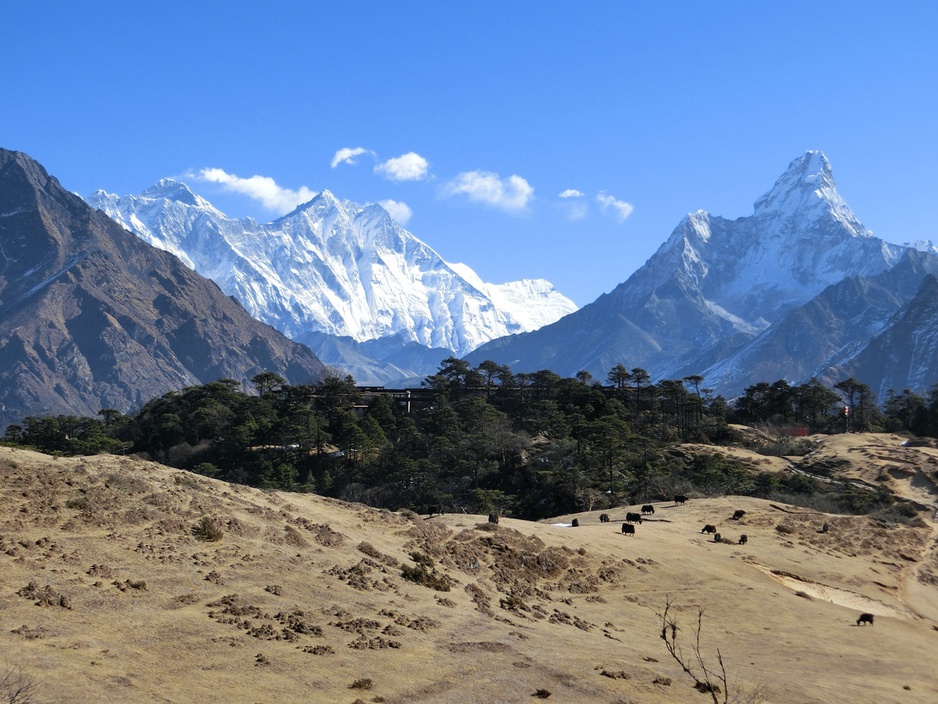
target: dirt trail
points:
(833, 595)
(917, 582)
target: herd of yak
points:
(628, 528)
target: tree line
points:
(529, 444)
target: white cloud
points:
(571, 193)
(261, 188)
(407, 167)
(512, 193)
(401, 212)
(619, 208)
(348, 155)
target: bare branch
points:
(706, 681)
(16, 687)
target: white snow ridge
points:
(335, 267)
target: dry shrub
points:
(359, 577)
(319, 650)
(137, 584)
(372, 551)
(322, 532)
(102, 571)
(292, 537)
(429, 538)
(44, 596)
(481, 599)
(614, 674)
(30, 634)
(240, 528)
(209, 530)
(363, 683)
(377, 643)
(424, 574)
(125, 484)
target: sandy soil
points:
(106, 594)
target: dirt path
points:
(918, 582)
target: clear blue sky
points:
(661, 107)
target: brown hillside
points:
(113, 589)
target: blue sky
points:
(475, 118)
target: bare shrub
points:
(16, 687)
(706, 680)
(363, 683)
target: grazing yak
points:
(680, 499)
(743, 539)
(738, 514)
(575, 523)
(865, 618)
(604, 518)
(708, 529)
(493, 518)
(717, 538)
(628, 529)
(633, 518)
(648, 508)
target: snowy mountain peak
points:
(807, 182)
(335, 267)
(321, 205)
(173, 190)
(807, 192)
(923, 246)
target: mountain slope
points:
(108, 594)
(336, 267)
(92, 317)
(904, 355)
(713, 285)
(815, 339)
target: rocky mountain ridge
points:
(92, 317)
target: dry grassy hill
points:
(125, 581)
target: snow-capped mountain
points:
(823, 337)
(335, 267)
(713, 286)
(801, 238)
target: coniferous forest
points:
(484, 439)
